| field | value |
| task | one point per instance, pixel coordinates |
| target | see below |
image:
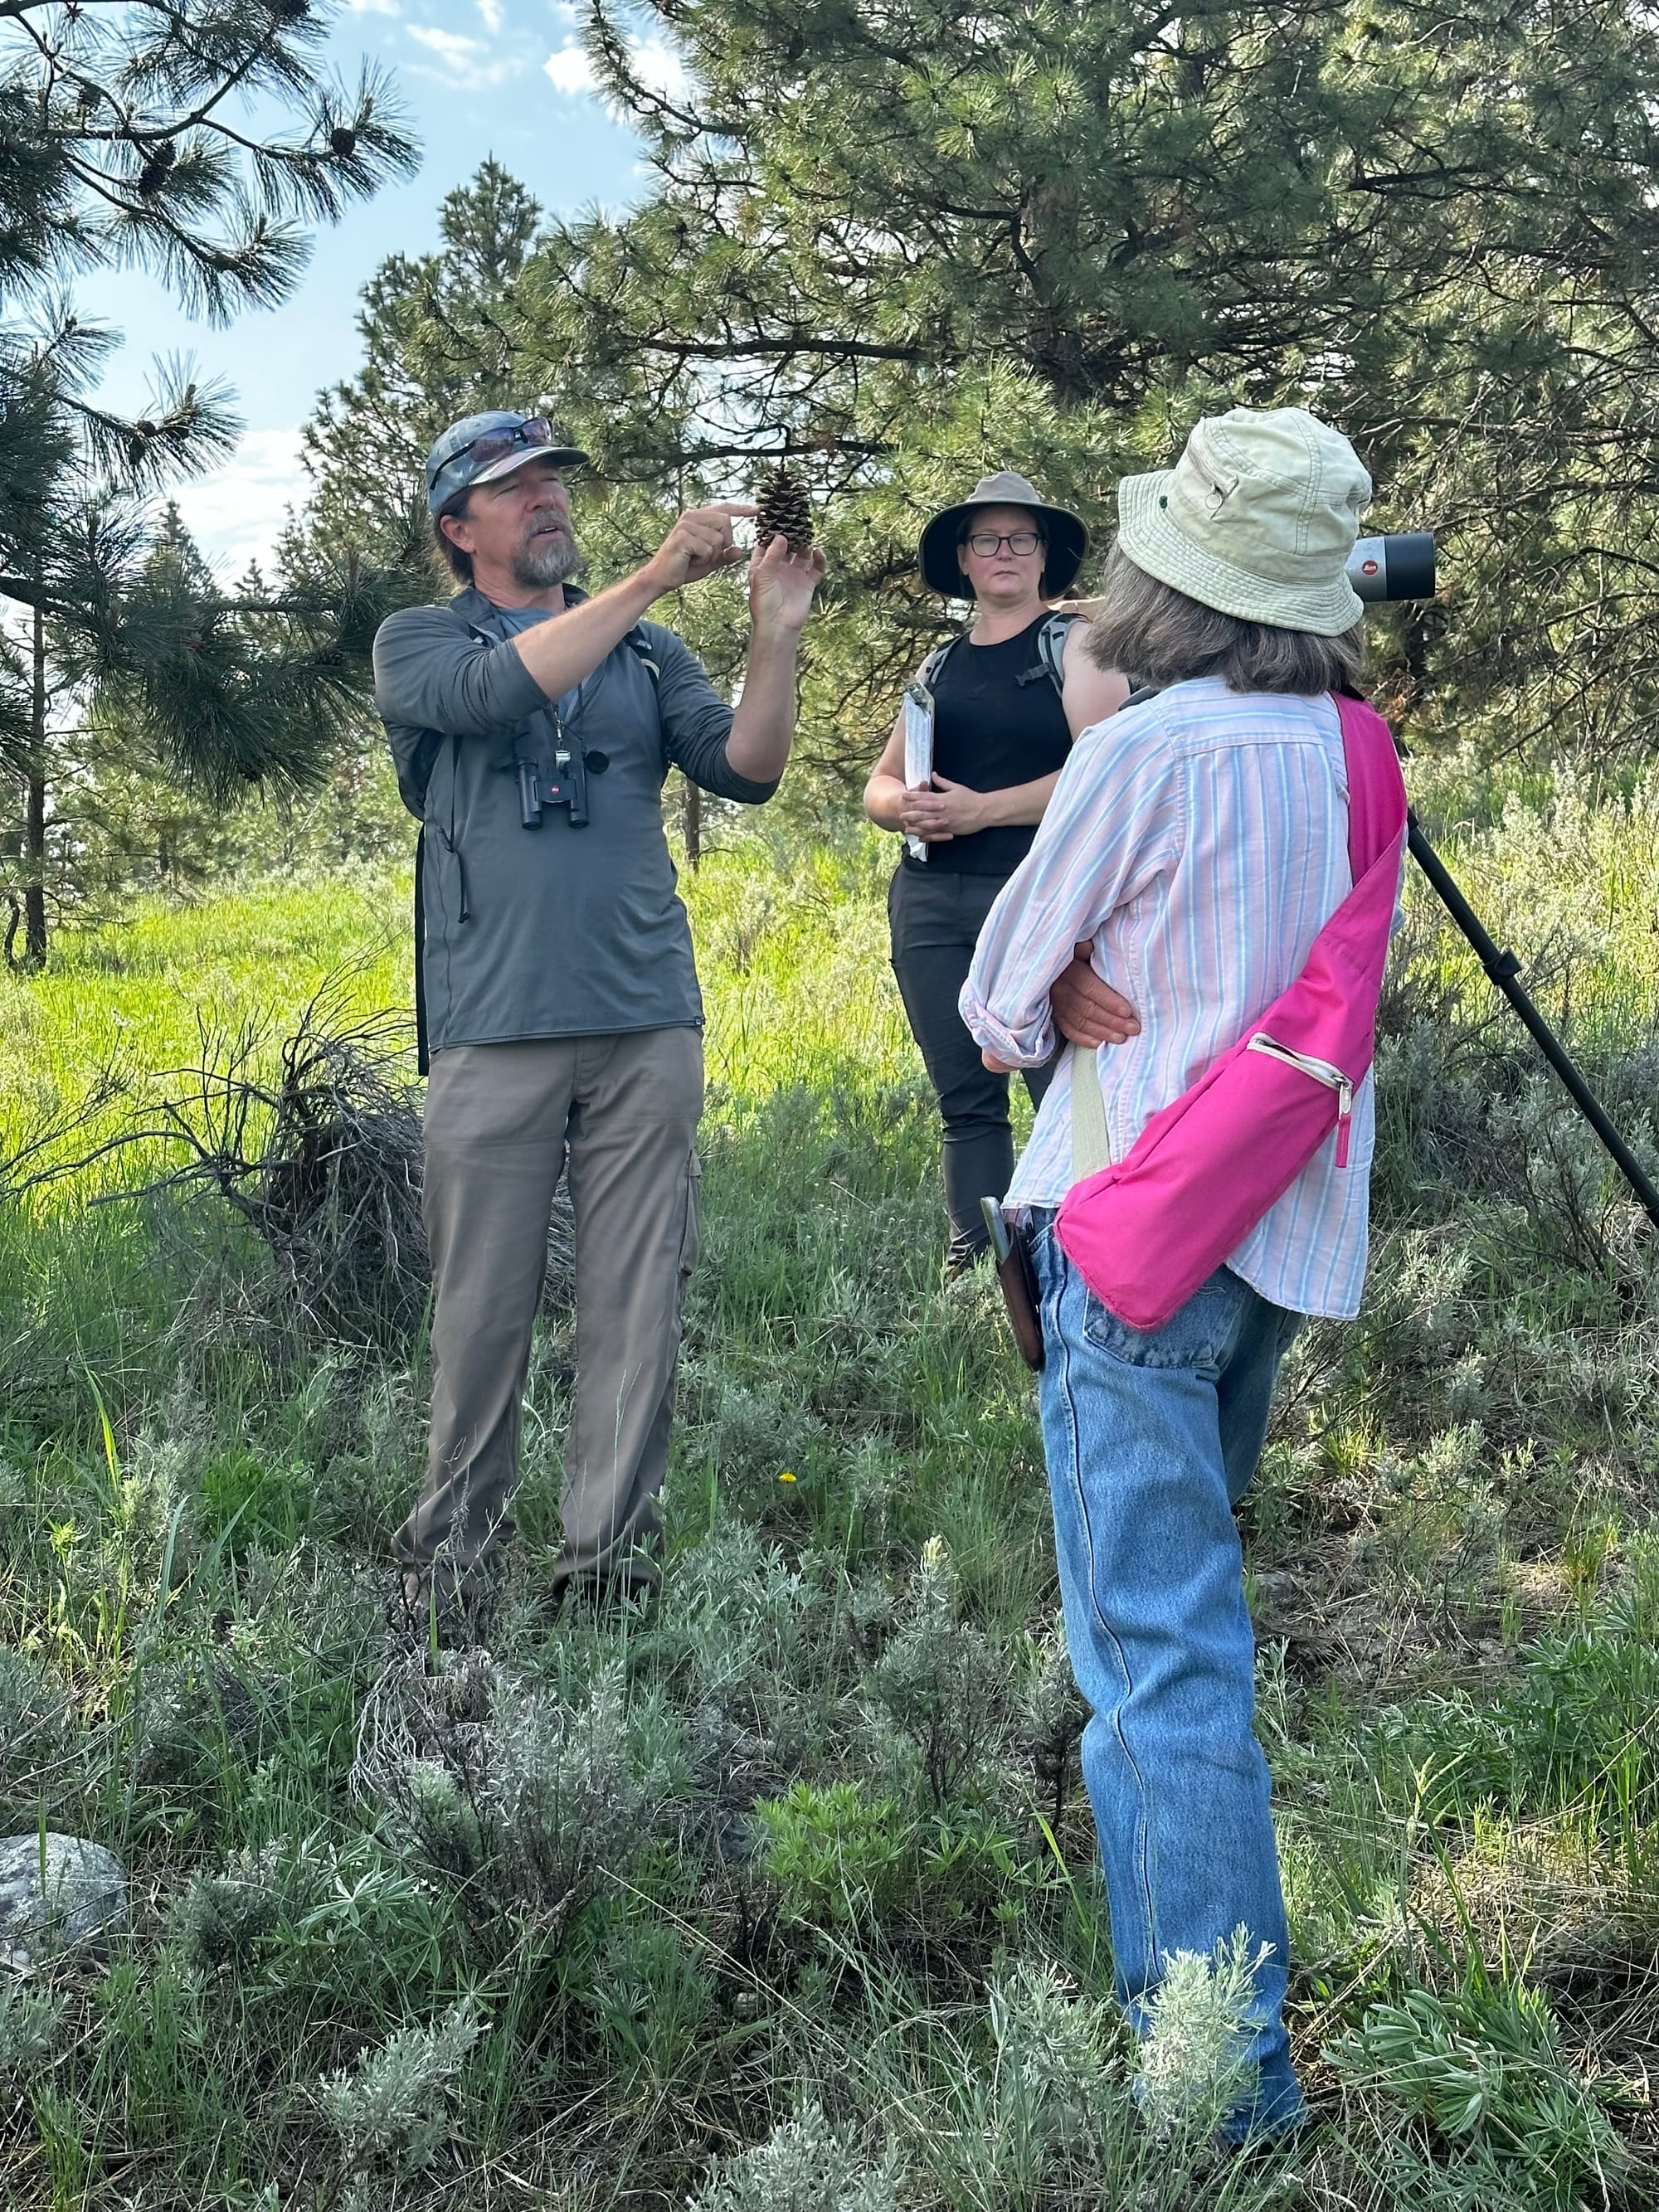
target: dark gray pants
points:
(936, 916)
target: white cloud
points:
(237, 513)
(571, 70)
(656, 63)
(658, 66)
(491, 12)
(453, 47)
(464, 65)
(372, 7)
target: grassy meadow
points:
(778, 1891)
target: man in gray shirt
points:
(532, 729)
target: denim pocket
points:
(1039, 1234)
(1197, 1336)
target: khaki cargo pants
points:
(501, 1120)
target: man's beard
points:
(541, 561)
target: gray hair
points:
(448, 556)
(1157, 635)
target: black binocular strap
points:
(421, 1056)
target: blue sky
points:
(476, 78)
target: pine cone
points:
(784, 508)
(156, 170)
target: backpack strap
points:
(1051, 644)
(423, 1056)
(1051, 651)
(640, 645)
(929, 674)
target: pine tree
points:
(195, 140)
(915, 245)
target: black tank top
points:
(992, 730)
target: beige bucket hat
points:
(1067, 539)
(1256, 519)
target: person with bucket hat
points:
(532, 728)
(1202, 843)
(1005, 699)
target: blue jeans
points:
(1151, 1440)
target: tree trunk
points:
(34, 819)
(692, 821)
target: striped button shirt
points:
(1201, 838)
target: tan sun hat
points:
(1066, 539)
(1256, 519)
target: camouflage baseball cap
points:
(481, 447)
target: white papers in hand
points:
(918, 753)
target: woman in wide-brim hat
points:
(1006, 707)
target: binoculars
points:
(562, 782)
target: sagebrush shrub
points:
(1194, 2054)
(807, 2164)
(526, 1800)
(938, 1685)
(1050, 1712)
(220, 1916)
(394, 2108)
(1040, 2119)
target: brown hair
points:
(449, 559)
(1157, 635)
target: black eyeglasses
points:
(986, 542)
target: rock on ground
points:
(84, 1895)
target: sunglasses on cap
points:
(496, 445)
(496, 451)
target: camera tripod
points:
(1401, 566)
(1503, 970)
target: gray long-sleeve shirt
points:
(560, 931)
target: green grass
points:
(807, 1835)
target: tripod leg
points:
(1504, 971)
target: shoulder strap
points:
(1092, 1143)
(1376, 786)
(1051, 647)
(636, 641)
(929, 674)
(422, 1056)
(1051, 652)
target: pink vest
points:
(1146, 1231)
